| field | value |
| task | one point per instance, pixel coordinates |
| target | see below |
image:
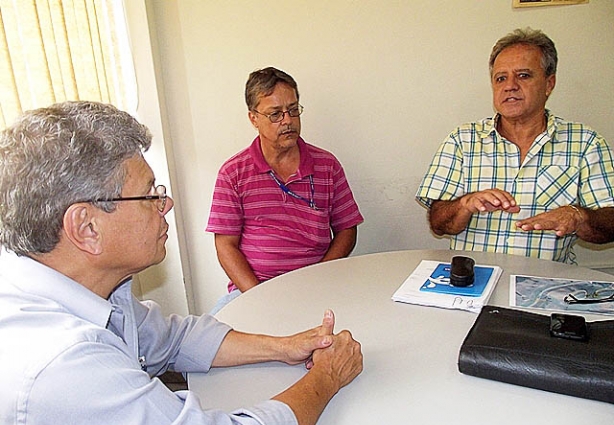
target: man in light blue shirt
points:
(77, 347)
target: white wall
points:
(382, 82)
(163, 282)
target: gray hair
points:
(529, 37)
(54, 157)
(262, 83)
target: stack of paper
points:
(429, 285)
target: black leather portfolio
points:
(517, 347)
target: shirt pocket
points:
(557, 186)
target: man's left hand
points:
(563, 221)
(299, 347)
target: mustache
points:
(287, 129)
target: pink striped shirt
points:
(280, 233)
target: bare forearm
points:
(342, 244)
(234, 262)
(597, 226)
(309, 396)
(238, 270)
(241, 348)
(448, 217)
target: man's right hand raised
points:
(489, 200)
(452, 217)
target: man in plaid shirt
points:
(525, 181)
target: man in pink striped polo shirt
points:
(281, 203)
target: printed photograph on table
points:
(562, 294)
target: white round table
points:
(410, 352)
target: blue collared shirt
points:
(70, 356)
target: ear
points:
(81, 228)
(252, 118)
(550, 83)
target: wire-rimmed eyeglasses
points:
(159, 197)
(585, 298)
(278, 116)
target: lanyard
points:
(287, 190)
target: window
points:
(57, 50)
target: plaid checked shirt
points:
(569, 163)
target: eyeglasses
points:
(160, 198)
(278, 116)
(585, 298)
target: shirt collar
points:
(550, 124)
(490, 125)
(305, 167)
(35, 278)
